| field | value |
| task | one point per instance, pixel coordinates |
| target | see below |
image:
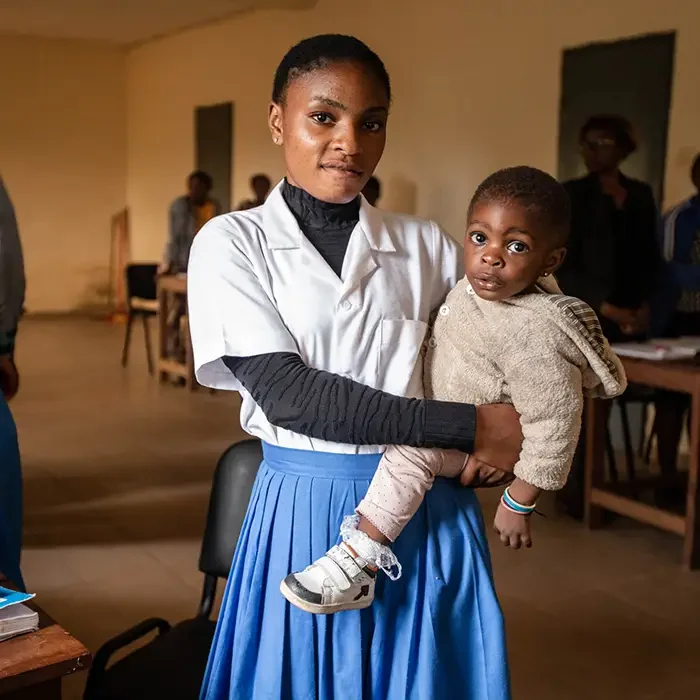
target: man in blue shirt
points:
(11, 301)
(678, 313)
(680, 245)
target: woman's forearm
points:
(330, 407)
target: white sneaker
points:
(340, 580)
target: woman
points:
(294, 304)
(613, 259)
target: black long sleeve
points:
(330, 407)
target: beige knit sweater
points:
(541, 352)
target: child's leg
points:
(399, 485)
(344, 578)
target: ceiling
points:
(122, 21)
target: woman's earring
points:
(276, 139)
(546, 274)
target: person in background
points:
(261, 185)
(12, 286)
(188, 213)
(613, 262)
(373, 190)
(678, 313)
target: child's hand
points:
(513, 529)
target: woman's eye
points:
(517, 247)
(477, 237)
(322, 118)
(373, 126)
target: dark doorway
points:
(213, 128)
(632, 78)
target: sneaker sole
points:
(317, 609)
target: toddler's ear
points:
(554, 261)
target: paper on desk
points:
(9, 597)
(656, 350)
(689, 343)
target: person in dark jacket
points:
(613, 259)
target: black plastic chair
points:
(142, 302)
(172, 665)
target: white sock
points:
(374, 553)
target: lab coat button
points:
(346, 305)
(444, 310)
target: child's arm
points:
(547, 391)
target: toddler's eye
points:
(517, 247)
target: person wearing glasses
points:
(613, 261)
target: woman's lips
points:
(342, 170)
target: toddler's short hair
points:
(533, 189)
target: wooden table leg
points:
(691, 546)
(596, 417)
(162, 331)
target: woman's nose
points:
(348, 139)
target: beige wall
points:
(63, 158)
(476, 85)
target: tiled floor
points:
(117, 475)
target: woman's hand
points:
(640, 322)
(499, 436)
(623, 317)
(512, 528)
(9, 378)
(479, 475)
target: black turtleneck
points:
(327, 226)
(334, 408)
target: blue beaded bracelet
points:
(510, 503)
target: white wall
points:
(476, 85)
(63, 158)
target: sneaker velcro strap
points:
(341, 567)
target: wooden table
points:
(682, 377)
(32, 665)
(172, 289)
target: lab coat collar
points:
(283, 233)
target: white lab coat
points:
(256, 285)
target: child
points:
(504, 334)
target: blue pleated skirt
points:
(436, 633)
(10, 497)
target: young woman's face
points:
(332, 127)
(600, 151)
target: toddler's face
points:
(506, 250)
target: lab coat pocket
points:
(400, 372)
